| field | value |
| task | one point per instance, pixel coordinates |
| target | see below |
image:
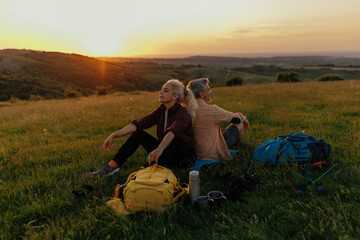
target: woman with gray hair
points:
(174, 119)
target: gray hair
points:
(178, 89)
(197, 86)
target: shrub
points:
(14, 99)
(288, 77)
(35, 97)
(103, 90)
(71, 93)
(113, 91)
(187, 66)
(234, 81)
(329, 77)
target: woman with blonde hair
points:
(174, 118)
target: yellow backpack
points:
(150, 189)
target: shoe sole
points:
(113, 172)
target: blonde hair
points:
(186, 97)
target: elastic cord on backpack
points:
(317, 163)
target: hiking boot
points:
(240, 183)
(105, 171)
(249, 179)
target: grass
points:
(47, 147)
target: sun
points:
(102, 45)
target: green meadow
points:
(47, 148)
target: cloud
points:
(260, 29)
(242, 31)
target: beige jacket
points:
(209, 141)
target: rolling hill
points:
(231, 62)
(48, 74)
(42, 71)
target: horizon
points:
(336, 54)
(346, 54)
(118, 28)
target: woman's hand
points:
(122, 132)
(107, 143)
(154, 156)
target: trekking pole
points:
(298, 192)
(320, 189)
(326, 172)
(313, 182)
(303, 173)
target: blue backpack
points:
(296, 148)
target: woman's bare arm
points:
(122, 132)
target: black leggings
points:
(175, 155)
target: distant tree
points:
(187, 66)
(14, 99)
(71, 93)
(329, 77)
(233, 81)
(35, 97)
(288, 77)
(103, 90)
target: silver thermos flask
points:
(194, 185)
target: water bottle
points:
(194, 185)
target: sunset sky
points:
(181, 27)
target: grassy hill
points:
(232, 62)
(47, 148)
(48, 74)
(25, 72)
(61, 71)
(257, 70)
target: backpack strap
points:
(152, 171)
(132, 175)
(279, 149)
(297, 138)
(178, 195)
(117, 191)
(119, 186)
(183, 190)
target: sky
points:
(180, 28)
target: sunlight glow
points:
(140, 27)
(102, 45)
